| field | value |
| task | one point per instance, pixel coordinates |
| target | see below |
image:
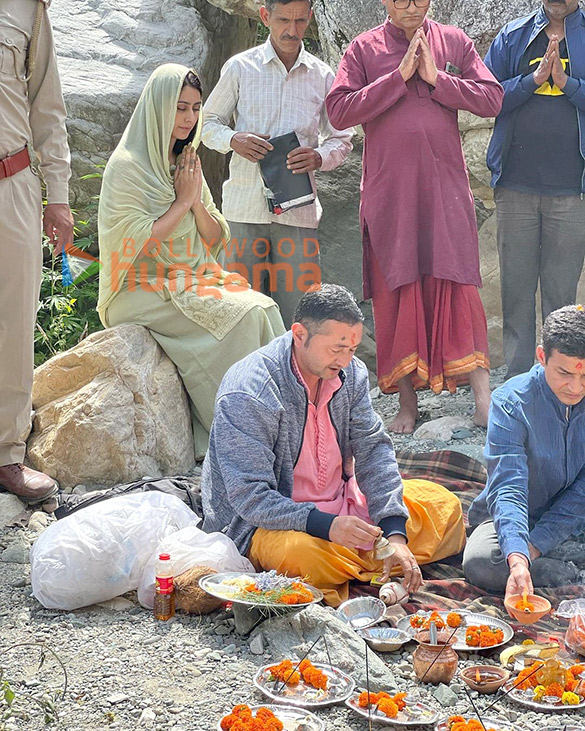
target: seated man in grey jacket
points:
(300, 472)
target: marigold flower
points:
(555, 689)
(483, 636)
(241, 719)
(458, 723)
(523, 681)
(242, 711)
(455, 719)
(312, 675)
(570, 699)
(388, 707)
(399, 700)
(364, 699)
(264, 713)
(454, 619)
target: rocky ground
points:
(125, 670)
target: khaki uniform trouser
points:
(20, 280)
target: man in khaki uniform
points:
(32, 116)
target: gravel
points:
(127, 671)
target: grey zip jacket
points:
(255, 442)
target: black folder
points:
(284, 190)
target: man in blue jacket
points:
(533, 506)
(300, 472)
(536, 159)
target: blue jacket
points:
(535, 454)
(256, 439)
(503, 60)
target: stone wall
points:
(108, 48)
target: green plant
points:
(15, 702)
(67, 315)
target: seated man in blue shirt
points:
(534, 500)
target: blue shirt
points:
(535, 454)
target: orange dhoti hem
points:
(433, 329)
(435, 530)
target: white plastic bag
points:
(100, 552)
(188, 548)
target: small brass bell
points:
(382, 548)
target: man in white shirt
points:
(267, 91)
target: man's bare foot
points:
(405, 420)
(480, 418)
(480, 384)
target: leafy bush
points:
(66, 315)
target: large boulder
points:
(108, 48)
(482, 19)
(111, 410)
(247, 8)
(331, 640)
(339, 22)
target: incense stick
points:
(514, 686)
(438, 655)
(474, 706)
(327, 649)
(293, 671)
(368, 689)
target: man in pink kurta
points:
(405, 81)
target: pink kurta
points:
(318, 473)
(417, 210)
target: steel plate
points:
(427, 716)
(469, 619)
(294, 719)
(499, 724)
(518, 696)
(303, 695)
(213, 585)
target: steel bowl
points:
(363, 612)
(384, 639)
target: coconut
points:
(190, 596)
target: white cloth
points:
(257, 94)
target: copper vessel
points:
(435, 663)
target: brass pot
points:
(435, 663)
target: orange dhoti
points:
(435, 530)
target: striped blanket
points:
(445, 586)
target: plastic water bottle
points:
(164, 598)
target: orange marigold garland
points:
(306, 670)
(284, 672)
(555, 689)
(299, 594)
(242, 719)
(417, 621)
(483, 636)
(458, 723)
(527, 678)
(312, 675)
(384, 702)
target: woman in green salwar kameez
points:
(159, 230)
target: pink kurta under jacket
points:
(318, 474)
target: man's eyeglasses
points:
(404, 4)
